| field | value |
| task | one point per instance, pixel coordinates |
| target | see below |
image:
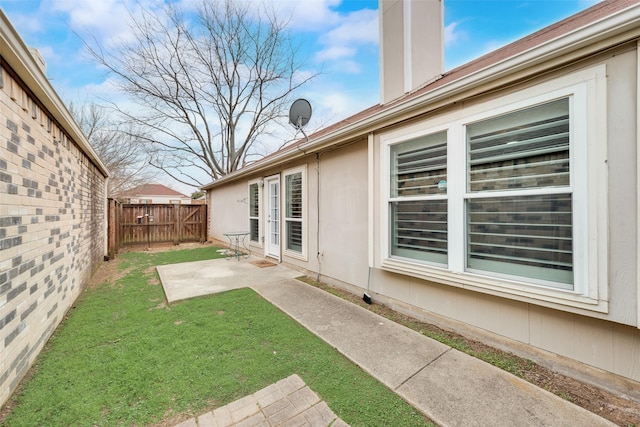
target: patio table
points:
(236, 240)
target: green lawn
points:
(123, 358)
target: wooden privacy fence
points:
(135, 224)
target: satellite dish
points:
(300, 113)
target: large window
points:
(504, 199)
(254, 212)
(519, 195)
(294, 212)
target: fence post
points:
(177, 226)
(119, 230)
(112, 229)
(203, 223)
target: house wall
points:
(228, 210)
(609, 340)
(343, 215)
(339, 251)
(52, 228)
(573, 339)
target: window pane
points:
(419, 230)
(294, 195)
(254, 231)
(524, 236)
(524, 149)
(254, 210)
(253, 200)
(419, 166)
(274, 213)
(294, 236)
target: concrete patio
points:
(194, 279)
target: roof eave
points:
(17, 55)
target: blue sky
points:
(341, 38)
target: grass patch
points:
(121, 357)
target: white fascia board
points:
(617, 28)
(17, 55)
(613, 29)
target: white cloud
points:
(31, 23)
(359, 27)
(309, 15)
(350, 34)
(106, 20)
(335, 52)
(350, 67)
(453, 34)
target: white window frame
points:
(425, 198)
(577, 186)
(260, 184)
(588, 184)
(303, 220)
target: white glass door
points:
(272, 196)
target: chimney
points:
(411, 45)
(35, 53)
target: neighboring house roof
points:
(573, 38)
(152, 190)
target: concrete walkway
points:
(449, 387)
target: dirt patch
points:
(162, 247)
(619, 410)
(151, 273)
(108, 273)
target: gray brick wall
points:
(52, 227)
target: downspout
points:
(370, 218)
(318, 254)
(105, 256)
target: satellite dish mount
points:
(299, 115)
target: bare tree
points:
(123, 155)
(208, 85)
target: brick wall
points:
(52, 227)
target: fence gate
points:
(135, 224)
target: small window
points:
(418, 204)
(293, 212)
(254, 213)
